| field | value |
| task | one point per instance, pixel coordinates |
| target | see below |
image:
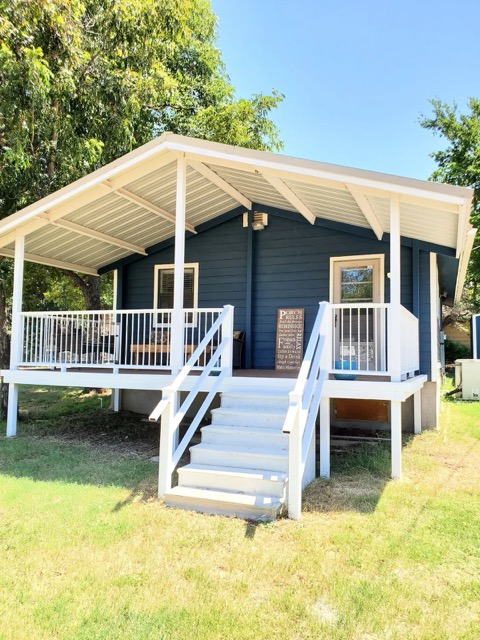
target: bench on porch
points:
(152, 353)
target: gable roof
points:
(129, 205)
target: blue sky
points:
(356, 74)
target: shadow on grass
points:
(66, 435)
(359, 473)
(50, 460)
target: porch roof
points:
(129, 205)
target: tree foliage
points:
(459, 164)
(83, 82)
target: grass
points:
(87, 552)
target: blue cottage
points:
(276, 295)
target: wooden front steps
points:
(240, 467)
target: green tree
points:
(459, 163)
(84, 81)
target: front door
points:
(359, 327)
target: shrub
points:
(455, 350)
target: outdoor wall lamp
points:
(259, 222)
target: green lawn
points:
(86, 552)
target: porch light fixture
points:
(260, 220)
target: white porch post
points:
(325, 438)
(166, 448)
(396, 418)
(16, 345)
(394, 318)
(394, 333)
(417, 412)
(115, 392)
(178, 321)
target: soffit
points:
(109, 202)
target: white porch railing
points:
(169, 409)
(303, 410)
(360, 339)
(359, 336)
(409, 339)
(137, 339)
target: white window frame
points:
(364, 258)
(160, 267)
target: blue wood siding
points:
(290, 268)
(222, 256)
(424, 319)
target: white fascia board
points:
(422, 198)
(244, 159)
(74, 189)
(265, 161)
(463, 224)
(462, 267)
(51, 262)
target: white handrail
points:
(304, 405)
(187, 368)
(167, 409)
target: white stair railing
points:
(303, 409)
(218, 361)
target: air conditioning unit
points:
(467, 376)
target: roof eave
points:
(463, 265)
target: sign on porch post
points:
(289, 342)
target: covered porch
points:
(174, 189)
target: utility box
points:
(467, 376)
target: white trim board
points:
(358, 257)
(153, 381)
(375, 390)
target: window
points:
(356, 279)
(163, 288)
(356, 284)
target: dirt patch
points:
(74, 419)
(85, 417)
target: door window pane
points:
(356, 284)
